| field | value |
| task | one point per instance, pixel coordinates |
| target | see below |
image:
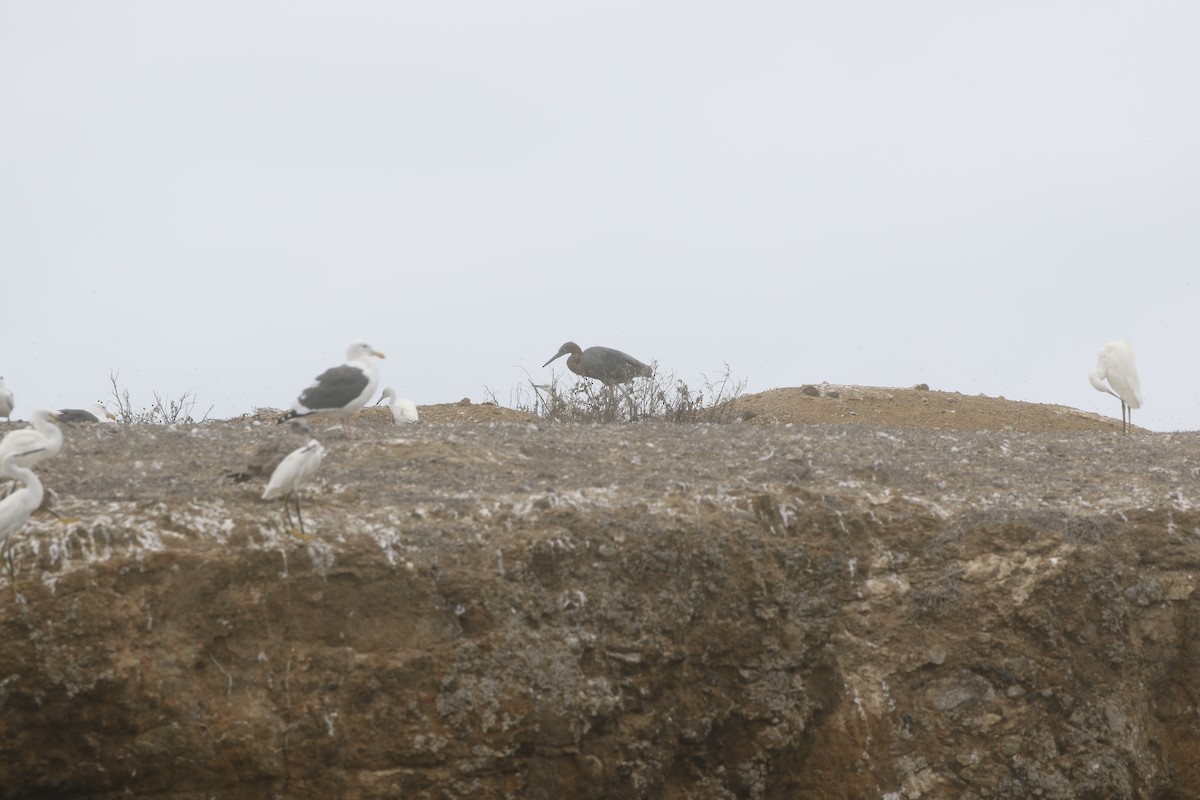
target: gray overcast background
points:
(221, 196)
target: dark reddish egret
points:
(1115, 364)
(602, 363)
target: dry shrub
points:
(164, 411)
(657, 398)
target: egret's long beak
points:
(556, 355)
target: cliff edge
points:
(494, 607)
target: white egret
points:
(297, 468)
(7, 402)
(16, 509)
(1115, 364)
(41, 441)
(404, 412)
(340, 392)
(95, 412)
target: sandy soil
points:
(915, 408)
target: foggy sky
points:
(220, 197)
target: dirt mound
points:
(825, 403)
(917, 407)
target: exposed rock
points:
(516, 610)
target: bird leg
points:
(61, 519)
(299, 516)
(9, 567)
(1124, 425)
(628, 400)
(287, 512)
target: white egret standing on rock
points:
(37, 443)
(7, 402)
(404, 412)
(602, 363)
(340, 392)
(297, 468)
(18, 506)
(1115, 364)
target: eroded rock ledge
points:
(597, 612)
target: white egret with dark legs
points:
(404, 412)
(602, 363)
(297, 468)
(7, 401)
(340, 392)
(16, 509)
(1115, 364)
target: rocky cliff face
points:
(510, 610)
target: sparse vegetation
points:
(164, 411)
(658, 398)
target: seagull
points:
(297, 469)
(602, 363)
(340, 392)
(7, 403)
(1115, 364)
(18, 506)
(404, 412)
(95, 412)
